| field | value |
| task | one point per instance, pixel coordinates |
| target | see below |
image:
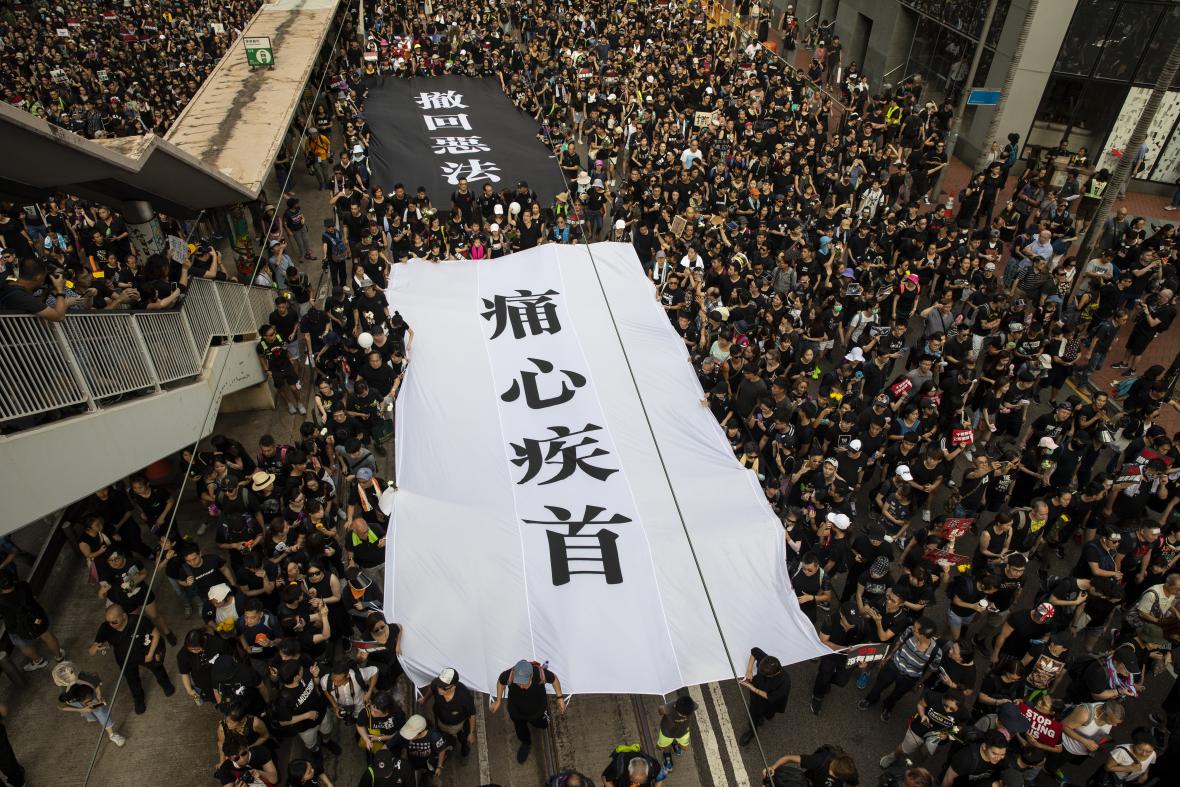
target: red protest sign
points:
(902, 386)
(956, 527)
(1044, 730)
(941, 556)
(962, 436)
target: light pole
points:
(952, 137)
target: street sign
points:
(259, 52)
(983, 97)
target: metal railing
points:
(89, 359)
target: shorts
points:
(284, 375)
(912, 742)
(959, 621)
(663, 741)
(294, 350)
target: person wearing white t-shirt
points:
(692, 260)
(348, 688)
(691, 153)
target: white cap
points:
(514, 208)
(1045, 360)
(365, 340)
(856, 355)
(841, 521)
(414, 726)
(854, 445)
(219, 593)
(494, 228)
(1047, 442)
(904, 472)
(620, 225)
(497, 209)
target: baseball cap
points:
(620, 224)
(854, 445)
(365, 473)
(880, 567)
(841, 521)
(1047, 442)
(414, 726)
(522, 673)
(447, 678)
(1015, 326)
(990, 266)
(1045, 610)
(831, 460)
(219, 592)
(904, 472)
(1012, 719)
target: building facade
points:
(1084, 71)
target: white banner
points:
(534, 518)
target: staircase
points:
(98, 396)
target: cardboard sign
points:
(901, 387)
(371, 56)
(218, 28)
(962, 436)
(678, 225)
(868, 653)
(703, 119)
(58, 75)
(1044, 730)
(102, 75)
(956, 527)
(63, 32)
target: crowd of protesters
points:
(114, 68)
(906, 379)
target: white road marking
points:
(708, 739)
(731, 744)
(481, 744)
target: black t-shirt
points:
(204, 576)
(423, 751)
(815, 767)
(459, 708)
(296, 700)
(20, 300)
(128, 648)
(970, 767)
(258, 757)
(531, 702)
(152, 505)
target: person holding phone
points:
(31, 277)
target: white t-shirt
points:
(350, 694)
(1123, 756)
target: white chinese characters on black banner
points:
(473, 169)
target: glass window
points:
(1124, 44)
(998, 22)
(985, 65)
(1161, 44)
(1059, 100)
(1083, 40)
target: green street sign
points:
(259, 52)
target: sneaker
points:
(1128, 372)
(201, 528)
(886, 714)
(522, 753)
(140, 705)
(291, 409)
(668, 764)
(198, 701)
(677, 749)
(33, 666)
(298, 385)
(863, 705)
(116, 738)
(1118, 365)
(862, 681)
(302, 409)
(887, 760)
(61, 655)
(816, 704)
(169, 690)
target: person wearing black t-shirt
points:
(844, 629)
(134, 646)
(934, 722)
(769, 687)
(812, 585)
(244, 764)
(977, 764)
(528, 705)
(300, 708)
(1021, 630)
(827, 766)
(454, 709)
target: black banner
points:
(431, 132)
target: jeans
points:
(301, 240)
(889, 675)
(101, 714)
(187, 595)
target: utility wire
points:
(244, 308)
